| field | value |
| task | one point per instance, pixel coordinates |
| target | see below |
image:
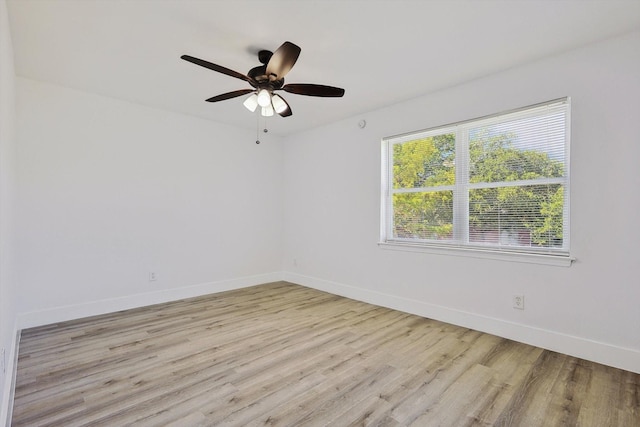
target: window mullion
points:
(461, 192)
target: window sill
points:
(545, 259)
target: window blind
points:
(496, 183)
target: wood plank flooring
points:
(284, 355)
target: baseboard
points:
(9, 385)
(595, 351)
(93, 308)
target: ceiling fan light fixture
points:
(251, 102)
(267, 111)
(264, 98)
(278, 104)
(267, 78)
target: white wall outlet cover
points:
(518, 302)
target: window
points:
(497, 184)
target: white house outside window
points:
(497, 184)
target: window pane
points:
(521, 149)
(423, 215)
(424, 162)
(525, 216)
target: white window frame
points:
(460, 243)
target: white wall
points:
(7, 185)
(332, 193)
(110, 191)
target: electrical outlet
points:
(518, 302)
(152, 276)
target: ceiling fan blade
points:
(215, 67)
(230, 95)
(314, 90)
(283, 60)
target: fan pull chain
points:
(265, 130)
(258, 129)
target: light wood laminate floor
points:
(285, 355)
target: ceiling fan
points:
(267, 78)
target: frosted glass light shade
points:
(251, 102)
(278, 104)
(264, 98)
(267, 111)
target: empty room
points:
(319, 213)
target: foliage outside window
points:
(498, 183)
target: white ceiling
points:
(381, 52)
